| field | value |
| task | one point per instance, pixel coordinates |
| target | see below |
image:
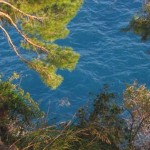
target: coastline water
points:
(108, 56)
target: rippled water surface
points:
(108, 56)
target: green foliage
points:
(47, 72)
(50, 138)
(140, 23)
(56, 14)
(17, 110)
(41, 23)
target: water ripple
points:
(107, 56)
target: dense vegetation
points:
(105, 126)
(102, 126)
(17, 111)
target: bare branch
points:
(131, 123)
(11, 43)
(140, 125)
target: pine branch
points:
(23, 35)
(21, 12)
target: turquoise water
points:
(108, 56)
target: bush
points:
(17, 111)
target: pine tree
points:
(40, 23)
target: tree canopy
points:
(40, 24)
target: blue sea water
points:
(108, 56)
